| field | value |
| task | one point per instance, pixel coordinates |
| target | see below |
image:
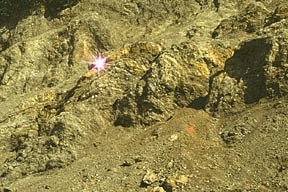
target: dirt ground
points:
(190, 152)
(193, 96)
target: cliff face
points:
(193, 97)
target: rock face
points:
(172, 80)
(251, 74)
(216, 56)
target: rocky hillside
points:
(193, 96)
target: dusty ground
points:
(194, 96)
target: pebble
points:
(149, 178)
(170, 164)
(175, 181)
(173, 137)
(158, 189)
(182, 179)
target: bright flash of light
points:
(99, 63)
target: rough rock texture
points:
(193, 97)
(172, 80)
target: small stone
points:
(158, 189)
(173, 137)
(170, 183)
(170, 164)
(182, 179)
(175, 181)
(149, 178)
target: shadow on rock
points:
(247, 64)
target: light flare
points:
(99, 63)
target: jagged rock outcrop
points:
(256, 70)
(174, 79)
(217, 56)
